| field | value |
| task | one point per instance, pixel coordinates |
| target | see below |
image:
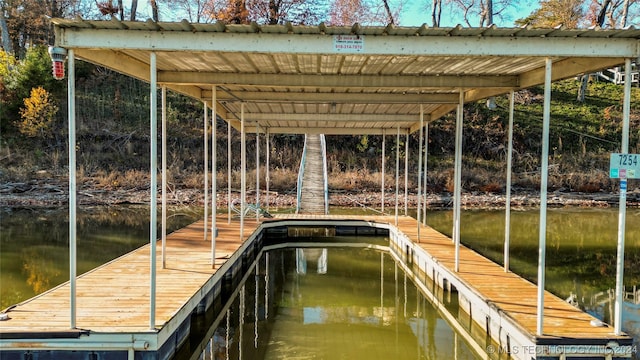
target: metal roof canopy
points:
(341, 80)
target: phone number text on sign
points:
(624, 166)
(348, 43)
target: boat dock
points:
(113, 300)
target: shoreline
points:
(38, 193)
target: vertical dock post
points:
(267, 161)
(164, 176)
(257, 172)
(72, 188)
(397, 171)
(243, 170)
(383, 169)
(458, 180)
(153, 233)
(426, 173)
(542, 239)
(622, 210)
(228, 173)
(206, 168)
(507, 220)
(418, 198)
(406, 173)
(214, 171)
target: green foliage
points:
(18, 80)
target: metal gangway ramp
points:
(313, 188)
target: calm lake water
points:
(581, 252)
(318, 303)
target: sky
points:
(418, 12)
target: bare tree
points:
(348, 12)
(483, 11)
(283, 11)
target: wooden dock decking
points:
(114, 298)
(512, 294)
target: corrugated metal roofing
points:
(291, 78)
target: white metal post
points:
(214, 177)
(267, 166)
(406, 174)
(622, 210)
(243, 170)
(507, 220)
(458, 180)
(257, 172)
(72, 188)
(397, 171)
(153, 233)
(164, 176)
(419, 195)
(542, 235)
(228, 173)
(426, 173)
(205, 127)
(383, 166)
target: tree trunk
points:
(388, 10)
(134, 9)
(154, 9)
(625, 14)
(602, 14)
(121, 10)
(584, 81)
(273, 12)
(436, 13)
(6, 39)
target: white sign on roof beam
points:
(323, 44)
(336, 81)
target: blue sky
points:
(414, 13)
(417, 12)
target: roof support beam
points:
(329, 117)
(320, 130)
(336, 81)
(335, 97)
(323, 44)
(567, 68)
(561, 70)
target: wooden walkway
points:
(114, 298)
(312, 192)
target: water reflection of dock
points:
(113, 300)
(603, 297)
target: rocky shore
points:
(43, 193)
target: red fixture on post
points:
(58, 56)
